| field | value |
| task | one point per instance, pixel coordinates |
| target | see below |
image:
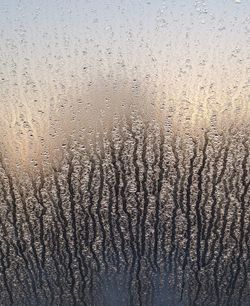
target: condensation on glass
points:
(124, 152)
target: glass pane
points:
(124, 165)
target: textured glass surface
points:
(124, 152)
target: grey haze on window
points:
(124, 152)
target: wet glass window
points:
(124, 152)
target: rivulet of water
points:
(140, 216)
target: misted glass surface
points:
(124, 152)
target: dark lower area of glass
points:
(139, 216)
